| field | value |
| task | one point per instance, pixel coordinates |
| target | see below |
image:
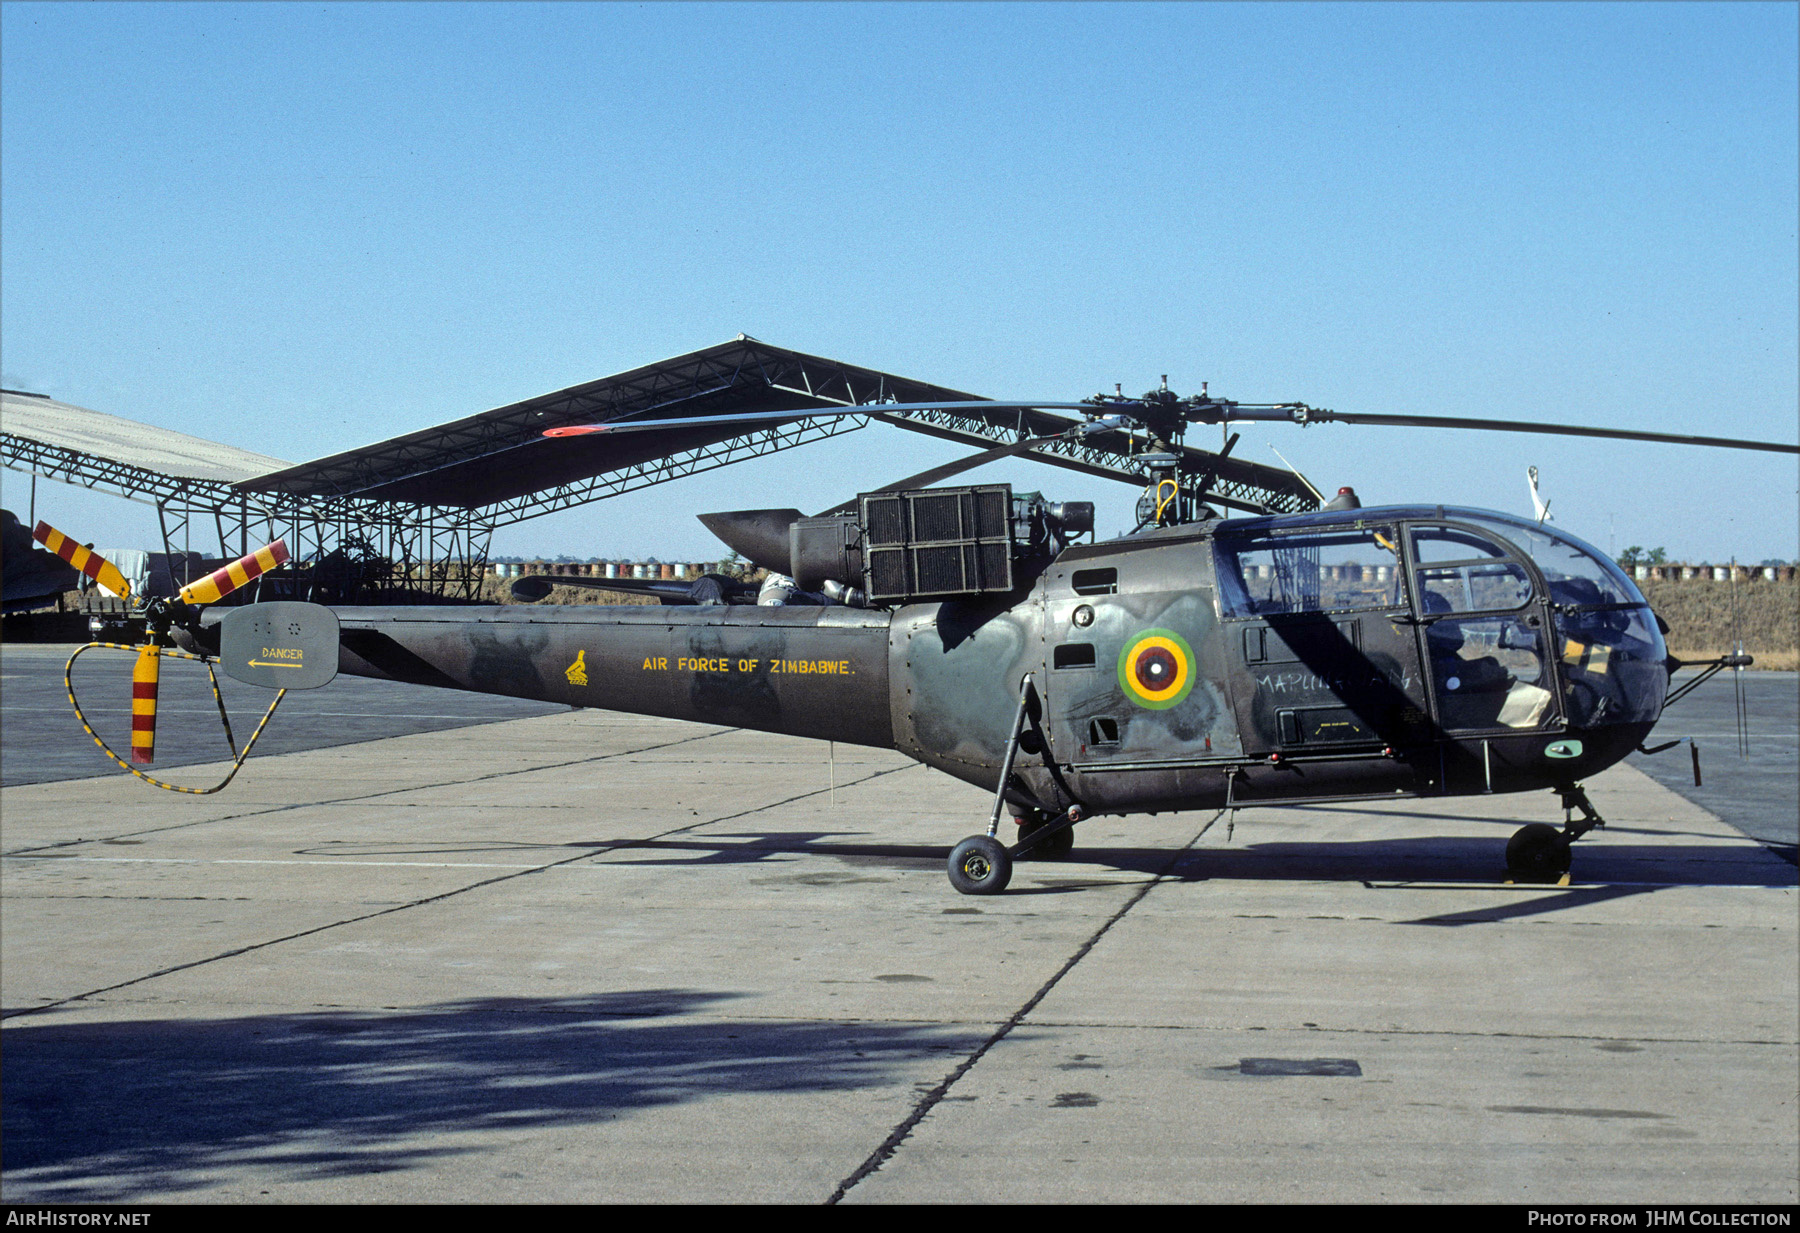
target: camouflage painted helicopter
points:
(1195, 663)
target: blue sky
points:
(300, 228)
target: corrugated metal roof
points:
(46, 421)
(501, 454)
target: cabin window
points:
(1489, 672)
(1330, 571)
(1095, 582)
(1433, 545)
(1073, 655)
(1103, 731)
(1497, 587)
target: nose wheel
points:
(1539, 852)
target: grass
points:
(1706, 619)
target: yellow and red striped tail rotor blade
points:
(143, 703)
(222, 582)
(86, 560)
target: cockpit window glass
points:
(1328, 572)
(1613, 659)
(1434, 544)
(1489, 672)
(1576, 574)
(1497, 587)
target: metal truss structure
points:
(1215, 478)
(410, 519)
(345, 550)
(676, 466)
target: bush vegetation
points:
(1707, 617)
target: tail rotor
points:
(159, 615)
(144, 677)
(82, 558)
(246, 569)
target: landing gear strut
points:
(1539, 852)
(981, 864)
(1045, 837)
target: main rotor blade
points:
(533, 587)
(86, 560)
(1206, 413)
(691, 421)
(144, 676)
(925, 479)
(760, 536)
(758, 417)
(1555, 430)
(222, 582)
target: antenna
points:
(1302, 478)
(1540, 508)
(1737, 669)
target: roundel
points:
(1156, 669)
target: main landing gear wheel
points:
(1537, 853)
(980, 866)
(1056, 848)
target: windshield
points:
(1576, 573)
(1613, 655)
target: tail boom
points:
(812, 672)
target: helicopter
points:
(1198, 662)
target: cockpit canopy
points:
(1461, 575)
(1352, 560)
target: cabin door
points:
(1323, 641)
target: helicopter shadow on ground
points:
(1388, 811)
(118, 1110)
(1426, 858)
(352, 849)
(739, 848)
(1444, 864)
(1602, 869)
(1478, 861)
(1507, 824)
(1602, 857)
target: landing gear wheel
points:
(1056, 848)
(1537, 853)
(980, 866)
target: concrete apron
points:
(590, 957)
